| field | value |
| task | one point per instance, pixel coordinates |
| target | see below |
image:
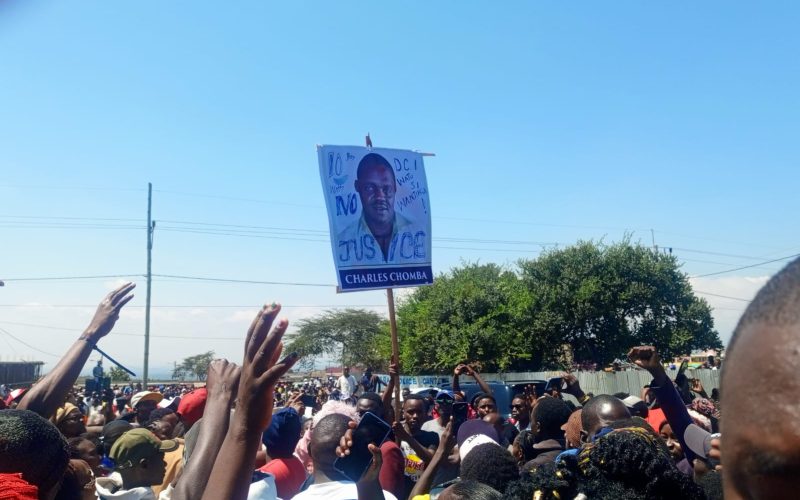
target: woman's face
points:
(673, 444)
(72, 425)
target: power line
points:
(746, 267)
(252, 282)
(55, 278)
(124, 334)
(722, 296)
(28, 345)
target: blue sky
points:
(551, 123)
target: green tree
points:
(598, 299)
(194, 366)
(350, 335)
(117, 374)
(473, 313)
(603, 299)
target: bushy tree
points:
(117, 374)
(598, 299)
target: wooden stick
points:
(395, 351)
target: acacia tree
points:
(350, 335)
(194, 366)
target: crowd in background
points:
(251, 433)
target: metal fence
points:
(630, 381)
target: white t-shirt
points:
(347, 386)
(334, 490)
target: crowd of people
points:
(248, 433)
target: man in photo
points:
(380, 235)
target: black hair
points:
(473, 490)
(525, 440)
(482, 395)
(372, 396)
(711, 482)
(551, 414)
(490, 464)
(74, 442)
(157, 415)
(325, 438)
(621, 395)
(373, 160)
(32, 446)
(416, 397)
(627, 463)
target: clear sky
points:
(551, 122)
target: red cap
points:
(192, 405)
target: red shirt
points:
(392, 475)
(289, 475)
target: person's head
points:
(759, 446)
(549, 415)
(84, 449)
(145, 402)
(467, 489)
(191, 407)
(99, 362)
(673, 445)
(406, 392)
(414, 412)
(69, 420)
(521, 410)
(283, 433)
(572, 429)
(485, 404)
(599, 412)
(139, 458)
(78, 482)
(370, 402)
(346, 371)
(111, 432)
(522, 448)
(325, 438)
(490, 464)
(376, 186)
(33, 447)
(162, 423)
(444, 405)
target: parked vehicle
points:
(502, 394)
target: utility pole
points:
(653, 236)
(150, 227)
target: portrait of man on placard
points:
(381, 234)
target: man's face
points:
(367, 405)
(414, 413)
(445, 407)
(760, 434)
(156, 468)
(520, 410)
(144, 408)
(377, 189)
(347, 372)
(485, 406)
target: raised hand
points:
(223, 377)
(107, 312)
(645, 357)
(260, 367)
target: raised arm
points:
(222, 381)
(671, 403)
(230, 478)
(483, 385)
(458, 371)
(390, 387)
(446, 444)
(50, 393)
